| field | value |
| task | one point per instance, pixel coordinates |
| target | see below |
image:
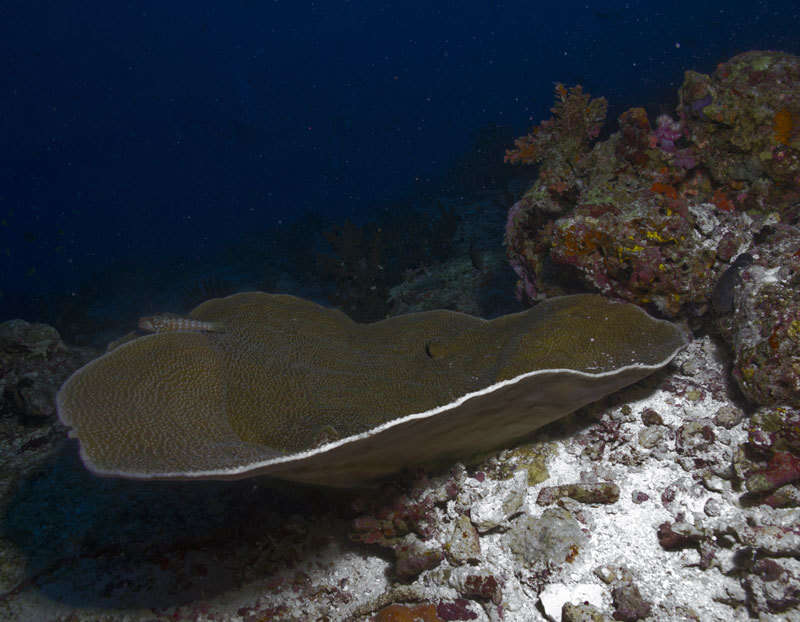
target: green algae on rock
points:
(297, 391)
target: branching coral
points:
(576, 122)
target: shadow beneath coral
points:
(120, 544)
(598, 423)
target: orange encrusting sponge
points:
(784, 124)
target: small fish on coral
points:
(166, 322)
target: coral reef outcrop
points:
(683, 216)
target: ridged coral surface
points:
(283, 376)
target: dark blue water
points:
(143, 141)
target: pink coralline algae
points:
(684, 158)
(769, 462)
(667, 133)
(404, 523)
